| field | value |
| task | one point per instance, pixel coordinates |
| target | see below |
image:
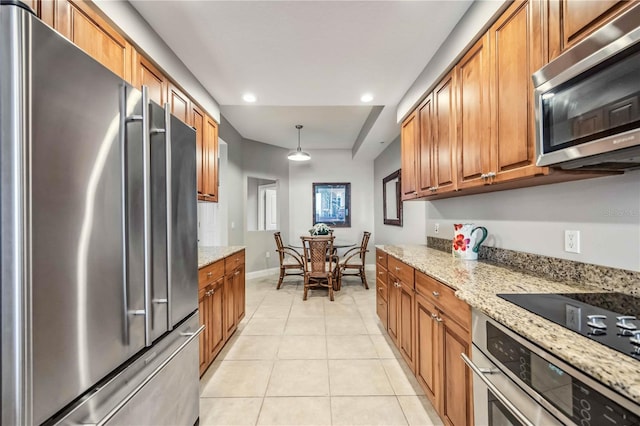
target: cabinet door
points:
(230, 322)
(425, 147)
(572, 20)
(239, 297)
(393, 305)
(382, 295)
(444, 140)
(516, 53)
(87, 30)
(198, 123)
(204, 312)
(180, 104)
(406, 324)
(145, 73)
(210, 160)
(472, 83)
(455, 406)
(408, 156)
(216, 320)
(427, 369)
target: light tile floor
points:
(313, 362)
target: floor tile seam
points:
(265, 392)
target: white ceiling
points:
(308, 62)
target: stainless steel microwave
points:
(587, 101)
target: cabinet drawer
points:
(210, 273)
(381, 258)
(400, 270)
(233, 261)
(444, 298)
(381, 274)
(381, 290)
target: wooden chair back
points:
(316, 262)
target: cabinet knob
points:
(439, 319)
(436, 294)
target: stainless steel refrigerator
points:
(98, 296)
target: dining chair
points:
(354, 259)
(291, 262)
(319, 269)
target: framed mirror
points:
(332, 204)
(391, 199)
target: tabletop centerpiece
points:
(320, 229)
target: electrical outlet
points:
(268, 255)
(572, 241)
(436, 228)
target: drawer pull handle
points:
(397, 268)
(434, 316)
(380, 273)
(209, 274)
(436, 294)
(237, 273)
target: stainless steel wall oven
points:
(517, 383)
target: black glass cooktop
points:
(607, 318)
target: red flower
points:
(457, 226)
(460, 243)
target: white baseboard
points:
(262, 273)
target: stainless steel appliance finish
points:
(85, 286)
(587, 101)
(516, 382)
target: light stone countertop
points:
(209, 254)
(478, 282)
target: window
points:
(332, 204)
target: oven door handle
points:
(494, 390)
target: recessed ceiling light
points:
(367, 97)
(249, 97)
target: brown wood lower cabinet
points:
(431, 328)
(221, 303)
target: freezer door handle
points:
(154, 373)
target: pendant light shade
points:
(299, 154)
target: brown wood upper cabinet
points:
(572, 20)
(180, 104)
(210, 161)
(473, 151)
(146, 74)
(408, 156)
(444, 136)
(516, 52)
(87, 30)
(425, 151)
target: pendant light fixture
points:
(299, 154)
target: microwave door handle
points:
(480, 372)
(167, 139)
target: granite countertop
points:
(209, 254)
(478, 282)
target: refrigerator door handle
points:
(167, 141)
(124, 120)
(146, 190)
